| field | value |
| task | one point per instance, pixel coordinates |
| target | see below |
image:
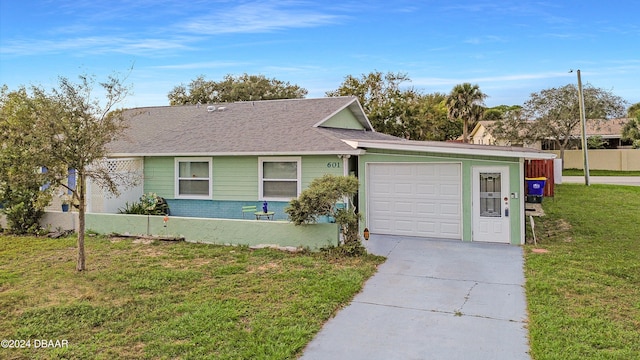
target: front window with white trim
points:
(193, 178)
(279, 178)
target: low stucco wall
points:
(609, 159)
(218, 231)
(52, 220)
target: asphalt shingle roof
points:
(273, 127)
(251, 127)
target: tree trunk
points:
(80, 189)
(563, 146)
(465, 131)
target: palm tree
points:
(631, 131)
(465, 102)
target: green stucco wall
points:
(235, 178)
(159, 176)
(219, 231)
(315, 166)
(467, 163)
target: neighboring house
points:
(609, 130)
(482, 135)
(210, 161)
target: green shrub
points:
(24, 207)
(320, 199)
(149, 204)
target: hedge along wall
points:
(219, 231)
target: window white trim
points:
(262, 160)
(177, 177)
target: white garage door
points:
(415, 199)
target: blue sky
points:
(509, 48)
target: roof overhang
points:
(452, 148)
(262, 153)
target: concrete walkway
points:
(611, 180)
(433, 299)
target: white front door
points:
(491, 218)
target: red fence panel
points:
(540, 168)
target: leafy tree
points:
(67, 128)
(405, 113)
(597, 142)
(20, 183)
(242, 88)
(511, 127)
(390, 109)
(631, 131)
(466, 102)
(320, 199)
(634, 110)
(499, 112)
(435, 124)
(556, 111)
(24, 207)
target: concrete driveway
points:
(433, 299)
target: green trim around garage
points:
(467, 163)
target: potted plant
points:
(65, 200)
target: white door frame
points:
(492, 228)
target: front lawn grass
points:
(169, 300)
(584, 294)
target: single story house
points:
(482, 134)
(209, 161)
(609, 130)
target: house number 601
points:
(333, 164)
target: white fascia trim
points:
(253, 153)
(458, 151)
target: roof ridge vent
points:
(211, 108)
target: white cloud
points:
(257, 17)
(433, 81)
(201, 65)
(485, 39)
(93, 45)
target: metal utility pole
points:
(583, 122)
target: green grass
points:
(580, 172)
(584, 295)
(168, 300)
